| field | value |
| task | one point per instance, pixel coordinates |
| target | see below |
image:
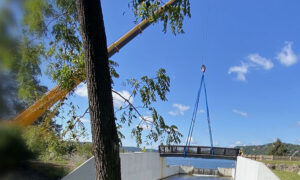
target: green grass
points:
(60, 162)
(283, 175)
(50, 170)
(281, 162)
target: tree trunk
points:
(104, 132)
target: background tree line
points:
(48, 31)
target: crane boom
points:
(37, 109)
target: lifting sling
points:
(191, 129)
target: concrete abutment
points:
(150, 166)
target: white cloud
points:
(146, 123)
(119, 101)
(240, 112)
(237, 143)
(201, 111)
(173, 113)
(298, 123)
(298, 141)
(241, 71)
(254, 143)
(85, 120)
(148, 119)
(261, 61)
(191, 140)
(287, 56)
(145, 126)
(81, 90)
(252, 61)
(179, 109)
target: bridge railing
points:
(198, 151)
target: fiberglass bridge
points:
(199, 152)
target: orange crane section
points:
(37, 109)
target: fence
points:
(271, 157)
(198, 151)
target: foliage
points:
(28, 72)
(19, 66)
(264, 149)
(51, 33)
(134, 149)
(44, 143)
(13, 149)
(149, 90)
(9, 103)
(85, 149)
(278, 162)
(278, 149)
(173, 15)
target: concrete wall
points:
(148, 166)
(84, 171)
(247, 169)
(227, 172)
(134, 166)
(186, 170)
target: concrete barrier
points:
(247, 169)
(137, 166)
(227, 172)
(134, 166)
(186, 169)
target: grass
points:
(58, 168)
(283, 175)
(35, 171)
(61, 162)
(51, 170)
(281, 162)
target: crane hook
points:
(203, 68)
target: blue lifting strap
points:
(191, 129)
(208, 121)
(188, 141)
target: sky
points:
(251, 50)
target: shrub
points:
(13, 149)
(278, 149)
(85, 149)
(44, 143)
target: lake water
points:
(201, 163)
(186, 177)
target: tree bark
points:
(104, 132)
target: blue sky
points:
(251, 50)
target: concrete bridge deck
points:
(199, 152)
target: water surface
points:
(187, 177)
(201, 163)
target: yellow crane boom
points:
(37, 109)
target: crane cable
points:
(191, 129)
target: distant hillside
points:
(126, 148)
(264, 149)
(135, 149)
